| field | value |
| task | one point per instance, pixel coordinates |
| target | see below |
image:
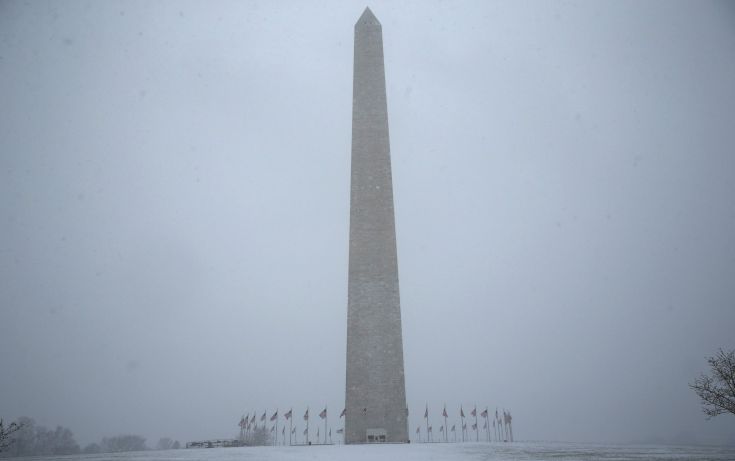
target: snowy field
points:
(430, 452)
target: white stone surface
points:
(375, 391)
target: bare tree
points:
(164, 443)
(259, 436)
(717, 390)
(5, 432)
(123, 443)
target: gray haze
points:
(174, 211)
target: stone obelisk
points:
(376, 392)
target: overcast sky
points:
(174, 211)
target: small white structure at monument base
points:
(376, 435)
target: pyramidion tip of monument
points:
(367, 18)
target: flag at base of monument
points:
(288, 414)
(262, 418)
(344, 412)
(340, 431)
(426, 413)
(323, 414)
(474, 427)
(461, 412)
(275, 416)
(484, 413)
(474, 412)
(453, 429)
(306, 431)
(444, 413)
(306, 415)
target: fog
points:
(174, 212)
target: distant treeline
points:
(34, 440)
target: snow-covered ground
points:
(431, 452)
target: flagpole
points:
(461, 416)
(307, 425)
(325, 424)
(290, 427)
(426, 415)
(446, 438)
(510, 422)
(477, 429)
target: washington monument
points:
(376, 391)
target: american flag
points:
(275, 416)
(444, 413)
(306, 415)
(484, 413)
(344, 412)
(474, 427)
(461, 412)
(288, 415)
(262, 418)
(340, 431)
(453, 429)
(426, 413)
(474, 412)
(323, 414)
